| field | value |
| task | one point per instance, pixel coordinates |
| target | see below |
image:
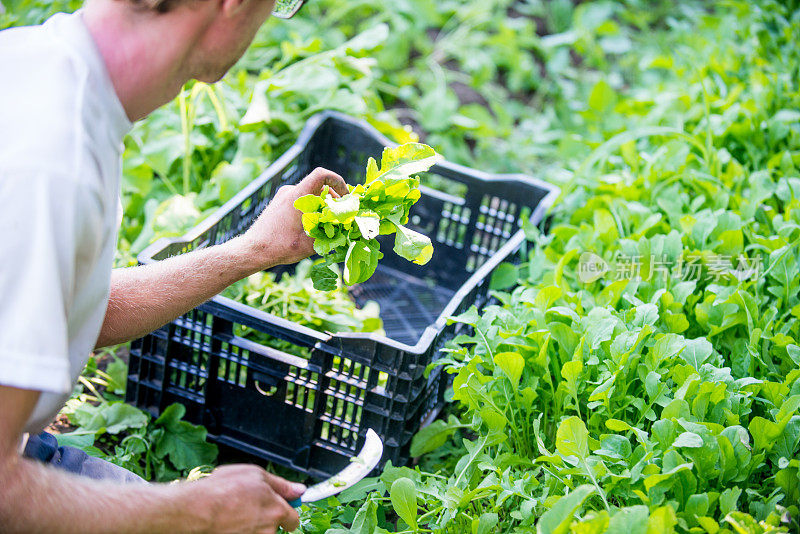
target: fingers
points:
(288, 490)
(320, 177)
(277, 515)
(280, 512)
(290, 520)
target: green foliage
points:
(160, 449)
(667, 399)
(293, 297)
(557, 519)
(403, 495)
(434, 436)
(183, 443)
(345, 229)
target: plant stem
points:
(485, 342)
(211, 92)
(187, 141)
(596, 485)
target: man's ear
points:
(231, 7)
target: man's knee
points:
(44, 447)
(102, 470)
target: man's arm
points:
(38, 498)
(147, 297)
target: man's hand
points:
(277, 235)
(245, 499)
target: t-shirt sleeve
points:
(47, 222)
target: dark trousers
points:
(44, 448)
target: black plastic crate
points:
(312, 414)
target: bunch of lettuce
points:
(345, 229)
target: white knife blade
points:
(359, 467)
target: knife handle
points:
(297, 503)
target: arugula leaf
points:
(434, 436)
(343, 209)
(324, 277)
(401, 162)
(556, 520)
(295, 298)
(412, 245)
(403, 495)
(113, 417)
(369, 225)
(361, 261)
(572, 438)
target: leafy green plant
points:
(345, 229)
(293, 297)
(162, 449)
(660, 399)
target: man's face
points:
(228, 37)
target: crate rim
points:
(219, 303)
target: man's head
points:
(153, 47)
(223, 29)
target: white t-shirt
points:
(61, 132)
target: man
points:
(70, 90)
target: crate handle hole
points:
(268, 392)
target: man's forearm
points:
(147, 297)
(36, 498)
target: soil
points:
(60, 425)
(468, 95)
